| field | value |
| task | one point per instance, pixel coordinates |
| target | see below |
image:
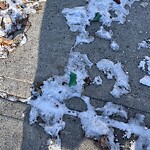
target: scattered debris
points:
(48, 103)
(104, 143)
(50, 106)
(13, 17)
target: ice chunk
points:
(145, 80)
(114, 46)
(102, 33)
(97, 80)
(24, 40)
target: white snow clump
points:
(121, 85)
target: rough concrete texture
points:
(18, 71)
(15, 130)
(46, 54)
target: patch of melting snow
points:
(114, 46)
(50, 106)
(144, 4)
(79, 18)
(144, 44)
(13, 16)
(145, 66)
(121, 85)
(140, 143)
(145, 80)
(23, 40)
(102, 33)
(97, 80)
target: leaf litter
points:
(14, 16)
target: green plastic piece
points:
(97, 16)
(73, 78)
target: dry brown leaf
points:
(104, 142)
(117, 1)
(38, 87)
(8, 19)
(3, 24)
(22, 21)
(6, 41)
(3, 5)
(87, 80)
(25, 2)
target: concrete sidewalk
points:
(46, 54)
(17, 134)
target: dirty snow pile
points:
(13, 17)
(79, 18)
(145, 66)
(49, 104)
(115, 70)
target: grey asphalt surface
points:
(46, 54)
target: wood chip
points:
(104, 142)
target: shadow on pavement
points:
(55, 43)
(34, 137)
